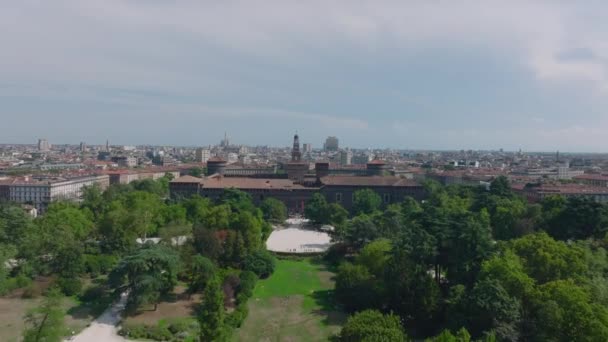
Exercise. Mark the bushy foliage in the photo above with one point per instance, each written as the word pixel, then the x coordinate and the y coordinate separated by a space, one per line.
pixel 372 325
pixel 274 210
pixel 45 322
pixel 260 262
pixel 70 286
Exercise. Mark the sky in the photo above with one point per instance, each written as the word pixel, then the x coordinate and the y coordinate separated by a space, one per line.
pixel 530 75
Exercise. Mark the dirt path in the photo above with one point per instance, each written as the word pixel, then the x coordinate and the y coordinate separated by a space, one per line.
pixel 104 329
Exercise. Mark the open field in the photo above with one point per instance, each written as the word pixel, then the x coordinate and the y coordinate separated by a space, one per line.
pixel 176 305
pixel 294 304
pixel 13 309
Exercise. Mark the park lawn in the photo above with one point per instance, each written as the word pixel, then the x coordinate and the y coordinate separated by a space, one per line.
pixel 176 305
pixel 294 304
pixel 13 309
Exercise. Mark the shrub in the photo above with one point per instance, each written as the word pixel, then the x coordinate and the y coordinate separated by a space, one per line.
pixel 372 325
pixel 261 263
pixel 99 264
pixel 22 281
pixel 134 331
pixel 159 332
pixel 70 286
pixel 248 280
pixel 237 317
pixel 179 329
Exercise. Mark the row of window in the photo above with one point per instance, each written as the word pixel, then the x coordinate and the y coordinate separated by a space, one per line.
pixel 385 197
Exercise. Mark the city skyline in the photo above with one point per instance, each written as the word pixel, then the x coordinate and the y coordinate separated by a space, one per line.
pixel 401 75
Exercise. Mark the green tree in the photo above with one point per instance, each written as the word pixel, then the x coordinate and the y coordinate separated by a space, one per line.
pixel 412 292
pixel 211 313
pixel 249 227
pixel 274 210
pixel 45 323
pixel 366 201
pixel 145 212
pixel 117 234
pixel 66 218
pixel 216 217
pixel 150 186
pixel 375 256
pixel 564 311
pixel 492 309
pixel 355 287
pixel 446 336
pixel 579 218
pixel 260 262
pixel 505 217
pixel 207 243
pixel 14 224
pixel 411 208
pixel 196 207
pixel 7 252
pixel 508 270
pixel 372 325
pixel 337 214
pixel 201 271
pixel 173 214
pixel 358 231
pixel 92 199
pixel 171 232
pixel 470 244
pixel 317 209
pixel 545 259
pixel 238 200
pixel 196 171
pixel 148 273
pixel 501 187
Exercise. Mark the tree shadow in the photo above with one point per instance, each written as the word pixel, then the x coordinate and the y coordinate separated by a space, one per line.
pixel 329 309
pixel 93 308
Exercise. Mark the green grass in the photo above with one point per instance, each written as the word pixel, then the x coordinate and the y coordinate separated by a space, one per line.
pixel 290 278
pixel 294 304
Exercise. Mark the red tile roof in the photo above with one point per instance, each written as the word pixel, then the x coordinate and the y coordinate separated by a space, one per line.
pixel 187 179
pixel 592 176
pixel 248 183
pixel 336 180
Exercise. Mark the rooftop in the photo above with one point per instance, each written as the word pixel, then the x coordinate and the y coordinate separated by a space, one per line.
pixel 335 180
pixel 592 176
pixel 249 183
pixel 219 182
pixel 187 179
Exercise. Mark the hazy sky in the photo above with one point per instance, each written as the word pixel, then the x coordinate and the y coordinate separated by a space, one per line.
pixel 406 74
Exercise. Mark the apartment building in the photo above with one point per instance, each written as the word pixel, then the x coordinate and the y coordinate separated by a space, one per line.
pixel 40 192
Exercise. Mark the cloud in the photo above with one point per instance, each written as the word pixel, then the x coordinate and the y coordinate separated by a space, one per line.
pixel 269 113
pixel 335 64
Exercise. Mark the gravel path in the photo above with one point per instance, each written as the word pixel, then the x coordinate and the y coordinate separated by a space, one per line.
pixel 104 329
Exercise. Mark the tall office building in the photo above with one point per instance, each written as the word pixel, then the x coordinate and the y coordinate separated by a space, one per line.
pixel 83 147
pixel 306 148
pixel 346 157
pixel 331 144
pixel 202 155
pixel 43 145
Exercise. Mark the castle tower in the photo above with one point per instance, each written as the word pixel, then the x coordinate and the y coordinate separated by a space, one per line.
pixel 296 168
pixel 296 155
